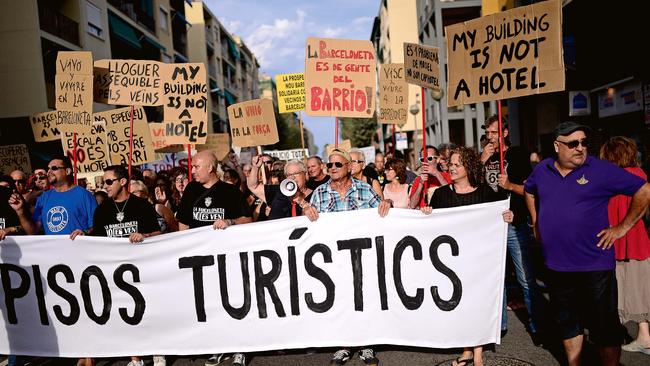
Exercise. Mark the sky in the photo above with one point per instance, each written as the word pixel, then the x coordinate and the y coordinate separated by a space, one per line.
pixel 276 31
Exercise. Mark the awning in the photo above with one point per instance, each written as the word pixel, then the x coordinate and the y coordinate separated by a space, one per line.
pixel 180 58
pixel 230 99
pixel 179 15
pixel 154 43
pixel 123 30
pixel 233 48
pixel 189 2
pixel 213 84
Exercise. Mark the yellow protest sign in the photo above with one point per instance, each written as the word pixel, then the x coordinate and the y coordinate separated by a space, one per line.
pixel 252 123
pixel 340 78
pixel 291 92
pixel 505 55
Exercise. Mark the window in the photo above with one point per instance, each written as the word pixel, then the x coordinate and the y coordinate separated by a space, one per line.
pixel 163 19
pixel 166 58
pixel 94 18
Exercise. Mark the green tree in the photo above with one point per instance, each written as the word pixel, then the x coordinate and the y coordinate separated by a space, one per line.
pixel 360 131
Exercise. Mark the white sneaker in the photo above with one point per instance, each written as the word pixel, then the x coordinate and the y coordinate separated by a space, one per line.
pixel 135 363
pixel 238 359
pixel 159 361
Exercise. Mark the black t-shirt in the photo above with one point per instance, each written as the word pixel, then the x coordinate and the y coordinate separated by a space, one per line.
pixel 202 206
pixel 445 197
pixel 517 164
pixel 270 192
pixel 8 217
pixel 313 184
pixel 281 207
pixel 139 217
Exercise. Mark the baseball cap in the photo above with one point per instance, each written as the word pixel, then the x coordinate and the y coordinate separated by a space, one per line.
pixel 569 127
pixel 344 154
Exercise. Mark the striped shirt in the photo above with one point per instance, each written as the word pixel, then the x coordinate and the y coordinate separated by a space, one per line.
pixel 359 196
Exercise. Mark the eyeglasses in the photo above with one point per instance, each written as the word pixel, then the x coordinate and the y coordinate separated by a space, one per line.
pixel 357 161
pixel 293 175
pixel 109 181
pixel 55 168
pixel 337 164
pixel 267 162
pixel 429 158
pixel 41 177
pixel 574 143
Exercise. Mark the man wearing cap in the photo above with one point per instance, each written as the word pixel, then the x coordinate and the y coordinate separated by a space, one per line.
pixel 343 193
pixel 516 168
pixel 571 194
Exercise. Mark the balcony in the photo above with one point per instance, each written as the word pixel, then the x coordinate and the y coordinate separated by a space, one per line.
pixel 58 25
pixel 134 9
pixel 209 36
pixel 212 70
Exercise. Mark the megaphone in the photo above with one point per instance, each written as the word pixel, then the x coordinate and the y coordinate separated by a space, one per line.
pixel 288 187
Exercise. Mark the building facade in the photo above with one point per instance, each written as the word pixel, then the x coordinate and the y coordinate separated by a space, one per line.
pixel 33 31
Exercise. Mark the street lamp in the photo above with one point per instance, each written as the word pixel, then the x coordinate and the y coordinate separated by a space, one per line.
pixel 414 109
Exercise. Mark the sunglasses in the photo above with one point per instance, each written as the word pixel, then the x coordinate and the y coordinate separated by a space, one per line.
pixel 336 164
pixel 55 168
pixel 109 181
pixel 429 159
pixel 574 143
pixel 41 177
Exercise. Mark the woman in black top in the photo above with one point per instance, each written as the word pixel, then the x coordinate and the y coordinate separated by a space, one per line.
pixel 466 189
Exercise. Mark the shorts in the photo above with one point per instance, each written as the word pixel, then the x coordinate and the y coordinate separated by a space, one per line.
pixel 586 300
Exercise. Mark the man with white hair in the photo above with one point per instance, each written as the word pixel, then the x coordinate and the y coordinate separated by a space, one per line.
pixel 284 206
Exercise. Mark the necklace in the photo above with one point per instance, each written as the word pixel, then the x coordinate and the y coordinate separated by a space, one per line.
pixel 120 213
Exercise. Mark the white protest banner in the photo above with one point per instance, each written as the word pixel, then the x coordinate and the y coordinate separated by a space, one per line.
pixel 406 279
pixel 91 147
pixel 393 95
pixel 14 157
pixel 185 97
pixel 504 55
pixel 252 123
pixel 73 85
pixel 422 66
pixel 340 78
pixel 291 92
pixel 47 126
pixel 168 161
pixel 118 135
pixel 288 154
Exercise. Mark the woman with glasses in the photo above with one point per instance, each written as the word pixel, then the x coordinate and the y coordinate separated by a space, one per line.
pixel 179 182
pixel 357 164
pixel 466 189
pixel 164 214
pixel 632 250
pixel 397 191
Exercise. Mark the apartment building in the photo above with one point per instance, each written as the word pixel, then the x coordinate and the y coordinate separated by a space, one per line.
pixel 33 31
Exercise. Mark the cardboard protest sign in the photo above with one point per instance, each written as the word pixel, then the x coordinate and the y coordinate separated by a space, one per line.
pixel 340 78
pixel 344 145
pixel 288 154
pixel 92 150
pixel 218 142
pixel 393 95
pixel 422 66
pixel 47 126
pixel 185 100
pixel 128 82
pixel 252 123
pixel 158 134
pixel 14 157
pixel 73 85
pixel 118 130
pixel 291 92
pixel 505 55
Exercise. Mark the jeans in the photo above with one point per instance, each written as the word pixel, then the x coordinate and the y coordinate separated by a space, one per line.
pixel 519 238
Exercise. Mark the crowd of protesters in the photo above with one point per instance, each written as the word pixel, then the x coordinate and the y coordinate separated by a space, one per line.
pixel 585 212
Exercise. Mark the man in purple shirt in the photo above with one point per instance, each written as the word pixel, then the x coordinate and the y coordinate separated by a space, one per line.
pixel 572 193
